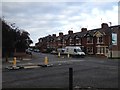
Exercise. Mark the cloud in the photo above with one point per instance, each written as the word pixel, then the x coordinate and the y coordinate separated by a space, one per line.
pixel 43 18
pixel 61 1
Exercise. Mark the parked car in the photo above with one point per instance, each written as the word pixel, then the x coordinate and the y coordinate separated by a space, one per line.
pixel 74 51
pixel 61 50
pixel 28 51
pixel 36 50
pixel 54 52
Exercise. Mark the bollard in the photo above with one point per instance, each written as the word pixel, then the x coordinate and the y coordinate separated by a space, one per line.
pixel 46 61
pixel 14 62
pixel 58 54
pixel 14 66
pixel 68 55
pixel 70 78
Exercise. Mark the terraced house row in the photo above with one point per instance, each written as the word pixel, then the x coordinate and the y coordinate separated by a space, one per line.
pixel 104 41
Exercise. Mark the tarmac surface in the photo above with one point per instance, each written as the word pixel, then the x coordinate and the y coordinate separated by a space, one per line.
pixel 87 72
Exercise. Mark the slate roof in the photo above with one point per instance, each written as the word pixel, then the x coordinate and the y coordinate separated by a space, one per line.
pixel 82 34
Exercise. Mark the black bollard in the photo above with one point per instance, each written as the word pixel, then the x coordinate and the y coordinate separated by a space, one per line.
pixel 70 78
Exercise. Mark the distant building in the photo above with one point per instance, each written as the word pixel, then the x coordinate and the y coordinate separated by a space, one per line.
pixel 104 41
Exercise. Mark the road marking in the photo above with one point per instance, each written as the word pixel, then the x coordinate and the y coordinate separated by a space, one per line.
pixel 29 63
pixel 76 60
pixel 26 67
pixel 27 59
pixel 12 61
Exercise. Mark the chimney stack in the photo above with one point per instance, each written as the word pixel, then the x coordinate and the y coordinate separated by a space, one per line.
pixel 70 32
pixel 84 30
pixel 60 34
pixel 54 35
pixel 104 25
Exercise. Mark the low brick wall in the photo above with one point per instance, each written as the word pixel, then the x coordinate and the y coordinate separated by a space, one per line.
pixel 115 54
pixel 22 55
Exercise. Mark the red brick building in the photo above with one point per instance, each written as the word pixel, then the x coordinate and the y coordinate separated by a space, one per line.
pixel 104 41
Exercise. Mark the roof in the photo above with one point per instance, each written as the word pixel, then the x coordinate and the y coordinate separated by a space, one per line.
pixel 103 31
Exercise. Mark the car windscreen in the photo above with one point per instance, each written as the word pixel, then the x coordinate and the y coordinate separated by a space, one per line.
pixel 77 50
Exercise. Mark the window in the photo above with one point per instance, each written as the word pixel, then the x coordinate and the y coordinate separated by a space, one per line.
pixel 90 50
pixel 75 50
pixel 106 49
pixel 58 38
pixel 100 40
pixel 53 40
pixel 65 41
pixel 70 40
pixel 77 38
pixel 78 42
pixel 89 40
pixel 62 42
pixel 67 50
pixel 40 40
pixel 63 51
pixel 48 45
pixel 100 50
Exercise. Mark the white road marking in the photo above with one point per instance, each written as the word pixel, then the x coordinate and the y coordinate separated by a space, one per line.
pixel 26 67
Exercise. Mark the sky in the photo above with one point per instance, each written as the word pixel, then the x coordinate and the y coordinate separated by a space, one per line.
pixel 51 17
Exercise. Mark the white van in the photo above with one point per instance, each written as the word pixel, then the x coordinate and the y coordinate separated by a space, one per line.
pixel 74 50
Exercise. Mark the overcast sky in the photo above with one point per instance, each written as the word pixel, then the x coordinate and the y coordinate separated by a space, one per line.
pixel 43 18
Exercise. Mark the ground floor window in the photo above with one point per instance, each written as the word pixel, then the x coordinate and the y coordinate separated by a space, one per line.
pixel 98 50
pixel 102 50
pixel 90 50
pixel 106 49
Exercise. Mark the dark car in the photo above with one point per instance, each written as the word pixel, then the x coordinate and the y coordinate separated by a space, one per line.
pixel 36 50
pixel 28 52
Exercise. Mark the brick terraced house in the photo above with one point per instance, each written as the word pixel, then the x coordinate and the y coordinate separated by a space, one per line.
pixel 104 41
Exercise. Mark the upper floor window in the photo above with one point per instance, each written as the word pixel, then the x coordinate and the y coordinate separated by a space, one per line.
pixel 77 38
pixel 78 42
pixel 70 40
pixel 51 40
pixel 40 40
pixel 63 41
pixel 58 38
pixel 100 40
pixel 54 40
pixel 89 40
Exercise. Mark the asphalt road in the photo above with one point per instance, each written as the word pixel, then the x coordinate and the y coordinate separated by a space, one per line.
pixel 87 72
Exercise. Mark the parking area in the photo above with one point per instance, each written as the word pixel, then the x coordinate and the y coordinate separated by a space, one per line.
pixel 87 72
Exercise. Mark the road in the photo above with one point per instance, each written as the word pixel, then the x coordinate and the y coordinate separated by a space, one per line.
pixel 87 72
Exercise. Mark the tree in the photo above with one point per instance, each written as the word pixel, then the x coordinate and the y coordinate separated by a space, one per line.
pixel 23 42
pixel 8 35
pixel 13 38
